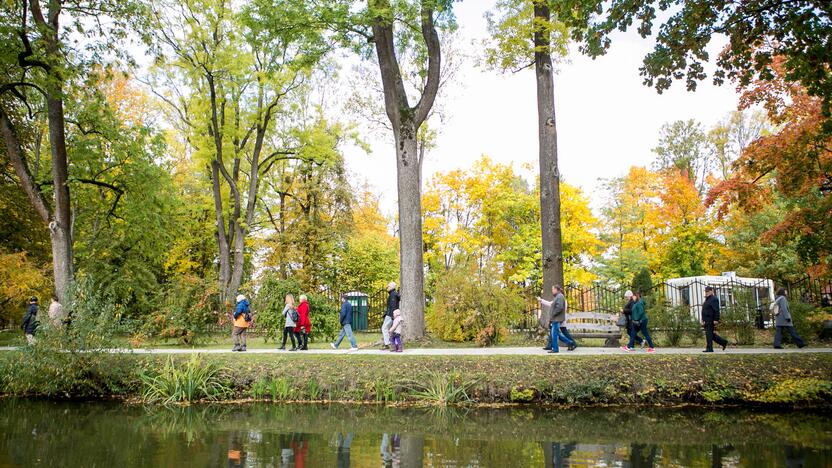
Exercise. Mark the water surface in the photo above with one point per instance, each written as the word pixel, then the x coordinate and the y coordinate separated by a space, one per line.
pixel 40 433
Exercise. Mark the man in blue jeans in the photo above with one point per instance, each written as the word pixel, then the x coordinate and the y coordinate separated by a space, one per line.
pixel 346 328
pixel 558 315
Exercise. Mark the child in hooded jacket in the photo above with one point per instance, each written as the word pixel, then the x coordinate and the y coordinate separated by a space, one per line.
pixel 396 332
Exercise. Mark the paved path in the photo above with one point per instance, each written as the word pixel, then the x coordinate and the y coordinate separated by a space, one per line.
pixel 581 351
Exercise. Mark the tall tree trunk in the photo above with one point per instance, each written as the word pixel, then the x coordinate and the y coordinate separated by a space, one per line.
pixel 60 227
pixel 406 121
pixel 411 270
pixel 222 238
pixel 552 245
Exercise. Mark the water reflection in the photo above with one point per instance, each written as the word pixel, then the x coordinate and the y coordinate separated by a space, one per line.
pixel 110 434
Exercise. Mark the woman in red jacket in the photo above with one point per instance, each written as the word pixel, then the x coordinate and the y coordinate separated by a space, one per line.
pixel 304 326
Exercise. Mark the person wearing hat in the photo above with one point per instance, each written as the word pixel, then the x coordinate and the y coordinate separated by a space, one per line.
pixel 30 321
pixel 710 317
pixel 242 320
pixel 393 301
pixel 628 314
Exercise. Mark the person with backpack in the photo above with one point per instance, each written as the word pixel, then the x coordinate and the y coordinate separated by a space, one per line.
pixel 290 314
pixel 710 318
pixel 303 326
pixel 396 330
pixel 783 321
pixel 30 321
pixel 242 320
pixel 346 327
pixel 393 302
pixel 639 325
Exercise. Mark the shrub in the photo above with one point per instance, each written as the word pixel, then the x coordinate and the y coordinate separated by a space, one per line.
pixel 193 381
pixel 738 318
pixel 72 360
pixel 269 302
pixel 676 322
pixel 472 305
pixel 190 308
pixel 807 319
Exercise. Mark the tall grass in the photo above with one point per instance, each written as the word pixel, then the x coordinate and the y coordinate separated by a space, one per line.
pixel 443 389
pixel 192 381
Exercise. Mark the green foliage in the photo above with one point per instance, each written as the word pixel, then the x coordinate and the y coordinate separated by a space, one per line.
pixel 189 308
pixel 278 389
pixel 186 382
pixel 582 392
pixel 471 304
pixel 676 323
pixel 738 318
pixel 643 281
pixel 269 302
pixel 72 361
pixel 790 30
pixel 512 28
pixel 442 389
pixel 802 390
pixel 522 395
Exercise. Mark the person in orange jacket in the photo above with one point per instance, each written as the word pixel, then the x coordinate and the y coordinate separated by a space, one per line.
pixel 242 320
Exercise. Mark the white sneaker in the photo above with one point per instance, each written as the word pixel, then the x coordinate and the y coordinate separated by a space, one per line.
pixel 353 349
pixel 333 345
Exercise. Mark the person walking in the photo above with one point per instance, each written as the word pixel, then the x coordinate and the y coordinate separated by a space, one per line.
pixel 346 327
pixel 558 314
pixel 393 301
pixel 303 327
pixel 242 320
pixel 639 325
pixel 290 315
pixel 396 332
pixel 628 314
pixel 710 318
pixel 783 321
pixel 30 321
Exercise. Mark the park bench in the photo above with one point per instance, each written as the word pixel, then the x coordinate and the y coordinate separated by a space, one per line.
pixel 594 325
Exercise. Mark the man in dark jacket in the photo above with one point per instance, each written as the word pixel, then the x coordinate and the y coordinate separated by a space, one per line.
pixel 710 317
pixel 346 327
pixel 393 300
pixel 30 321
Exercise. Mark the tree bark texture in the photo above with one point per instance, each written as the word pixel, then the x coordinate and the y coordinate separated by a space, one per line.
pixel 406 120
pixel 551 242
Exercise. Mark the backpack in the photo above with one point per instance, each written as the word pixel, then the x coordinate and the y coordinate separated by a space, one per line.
pixel 293 313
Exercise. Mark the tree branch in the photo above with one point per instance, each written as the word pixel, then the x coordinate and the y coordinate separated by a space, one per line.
pixel 425 103
pixel 18 159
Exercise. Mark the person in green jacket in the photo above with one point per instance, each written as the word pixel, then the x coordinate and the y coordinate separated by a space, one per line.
pixel 639 324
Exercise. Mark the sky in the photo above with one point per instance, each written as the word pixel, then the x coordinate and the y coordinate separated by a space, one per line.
pixel 607 120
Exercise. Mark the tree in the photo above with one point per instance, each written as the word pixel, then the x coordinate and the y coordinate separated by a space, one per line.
pixel 757 30
pixel 228 71
pixel 40 68
pixel 793 163
pixel 488 217
pixel 406 120
pixel 683 146
pixel 527 34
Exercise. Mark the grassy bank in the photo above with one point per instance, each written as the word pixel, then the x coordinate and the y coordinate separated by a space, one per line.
pixel 767 380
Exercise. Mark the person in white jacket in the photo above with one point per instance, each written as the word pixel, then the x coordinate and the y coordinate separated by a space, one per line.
pixel 396 332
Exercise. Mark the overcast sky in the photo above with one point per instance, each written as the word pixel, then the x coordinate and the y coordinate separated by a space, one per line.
pixel 607 120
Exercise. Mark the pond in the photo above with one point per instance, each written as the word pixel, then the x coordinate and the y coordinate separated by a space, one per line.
pixel 42 433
